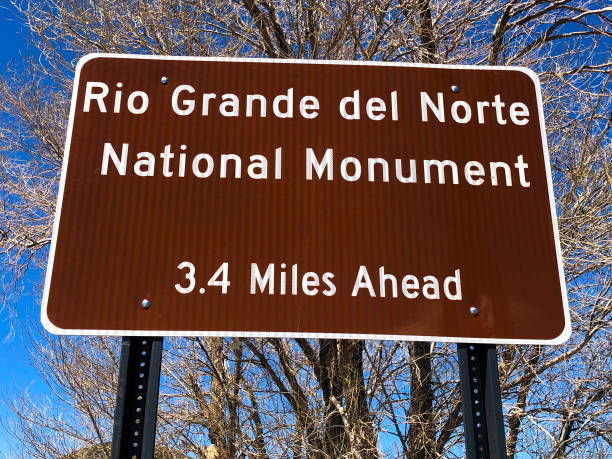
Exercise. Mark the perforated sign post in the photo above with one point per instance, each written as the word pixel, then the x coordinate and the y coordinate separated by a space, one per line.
pixel 228 197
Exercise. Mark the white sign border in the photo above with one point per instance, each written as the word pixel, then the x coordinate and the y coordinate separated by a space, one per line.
pixel 564 336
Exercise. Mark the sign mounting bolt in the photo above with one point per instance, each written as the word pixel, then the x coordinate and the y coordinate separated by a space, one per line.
pixel 455 88
pixel 474 311
pixel 164 80
pixel 146 304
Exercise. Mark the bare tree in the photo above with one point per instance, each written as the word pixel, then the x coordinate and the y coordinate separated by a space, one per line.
pixel 300 398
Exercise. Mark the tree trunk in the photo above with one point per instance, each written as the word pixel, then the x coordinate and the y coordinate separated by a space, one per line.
pixel 356 399
pixel 421 433
pixel 331 385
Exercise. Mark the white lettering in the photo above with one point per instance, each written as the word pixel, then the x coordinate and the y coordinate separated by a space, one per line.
pixel 258 280
pixel 363 281
pixel 109 152
pixel 440 165
pixel 131 102
pixel 89 95
pixel 230 105
pixel 519 113
pixel 262 105
pixel 166 156
pixel 326 162
pixel 145 159
pixel 382 278
pixel 344 172
pixel 466 109
pixel 195 166
pixel 237 165
pixel 456 281
pixel 470 172
pixel 384 165
pixel 431 288
pixel 438 110
pixel 496 165
pixel 498 104
pixel 188 105
pixel 521 166
pixel 287 100
pixel 258 162
pixel 375 108
pixel 354 101
pixel 309 106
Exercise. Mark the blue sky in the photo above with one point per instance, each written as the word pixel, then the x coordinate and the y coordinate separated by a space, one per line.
pixel 15 374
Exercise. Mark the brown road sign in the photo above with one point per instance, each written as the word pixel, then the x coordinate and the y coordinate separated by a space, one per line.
pixel 305 198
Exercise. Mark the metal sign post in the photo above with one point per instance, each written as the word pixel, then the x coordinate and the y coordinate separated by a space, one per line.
pixel 137 396
pixel 480 393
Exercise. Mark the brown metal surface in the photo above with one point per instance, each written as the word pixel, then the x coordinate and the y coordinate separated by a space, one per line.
pixel 120 238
